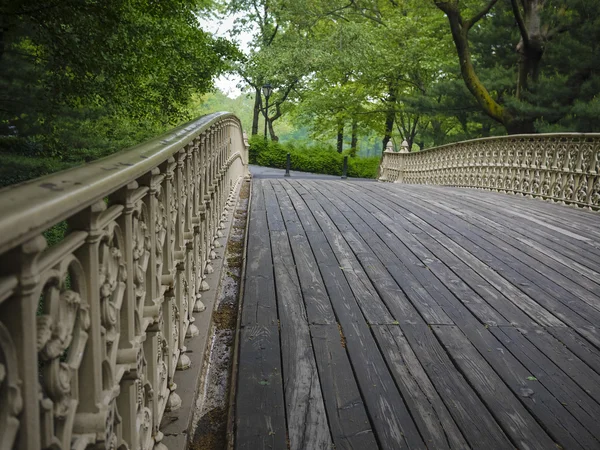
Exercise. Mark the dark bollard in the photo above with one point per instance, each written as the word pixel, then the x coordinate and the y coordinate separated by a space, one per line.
pixel 287 165
pixel 345 168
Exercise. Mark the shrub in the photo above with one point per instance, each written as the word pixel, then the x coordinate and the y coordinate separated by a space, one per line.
pixel 315 159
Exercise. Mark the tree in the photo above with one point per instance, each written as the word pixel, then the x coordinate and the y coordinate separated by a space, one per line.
pixel 537 24
pixel 135 58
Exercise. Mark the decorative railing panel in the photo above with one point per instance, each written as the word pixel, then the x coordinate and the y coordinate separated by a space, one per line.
pixel 563 168
pixel 93 327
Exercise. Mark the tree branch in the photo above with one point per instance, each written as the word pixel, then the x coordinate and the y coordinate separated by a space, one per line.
pixel 270 40
pixel 477 17
pixel 520 22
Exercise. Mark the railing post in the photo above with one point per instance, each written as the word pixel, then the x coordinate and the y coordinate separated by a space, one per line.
pixel 287 165
pixel 386 162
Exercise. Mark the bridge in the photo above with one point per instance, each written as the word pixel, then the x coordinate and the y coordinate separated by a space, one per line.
pixel 416 313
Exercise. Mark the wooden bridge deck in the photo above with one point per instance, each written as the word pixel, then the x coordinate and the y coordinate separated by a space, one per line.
pixel 396 316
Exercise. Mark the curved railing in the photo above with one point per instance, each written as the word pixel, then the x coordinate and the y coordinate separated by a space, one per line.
pixel 561 167
pixel 93 326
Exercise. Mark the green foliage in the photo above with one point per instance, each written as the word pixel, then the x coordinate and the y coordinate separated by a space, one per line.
pixel 314 159
pixel 18 168
pixel 81 79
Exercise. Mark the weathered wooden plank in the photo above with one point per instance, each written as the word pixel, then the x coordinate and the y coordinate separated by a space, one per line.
pixel 478 426
pixel 259 261
pixel 559 273
pixel 307 422
pixel 512 267
pixel 548 374
pixel 524 431
pixel 260 410
pixel 365 244
pixel 559 248
pixel 385 285
pixel 552 216
pixel 461 290
pixel 316 301
pixel 501 367
pixel 429 411
pixel 391 420
pixel 348 420
pixel 578 345
pixel 554 304
pixel 558 353
pixel 510 293
pixel 258 198
pixel 371 305
pixel 274 217
pixel 259 301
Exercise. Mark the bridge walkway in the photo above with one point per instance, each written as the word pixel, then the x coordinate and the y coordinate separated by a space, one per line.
pixel 400 316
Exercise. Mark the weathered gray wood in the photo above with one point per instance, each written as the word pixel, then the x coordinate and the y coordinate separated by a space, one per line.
pixel 548 374
pixel 258 253
pixel 516 421
pixel 579 319
pixel 363 290
pixel 348 420
pixel 560 354
pixel 556 247
pixel 452 282
pixel 387 288
pixel 391 420
pixel 578 345
pixel 307 422
pixel 260 303
pixel 260 411
pixel 548 215
pixel 430 413
pixel 316 301
pixel 413 276
pixel 479 427
pixel 466 323
pixel 559 273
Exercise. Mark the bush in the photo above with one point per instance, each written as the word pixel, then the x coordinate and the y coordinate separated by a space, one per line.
pixel 314 159
pixel 17 168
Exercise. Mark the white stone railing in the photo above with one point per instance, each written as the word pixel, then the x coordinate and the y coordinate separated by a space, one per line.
pixel 563 167
pixel 93 327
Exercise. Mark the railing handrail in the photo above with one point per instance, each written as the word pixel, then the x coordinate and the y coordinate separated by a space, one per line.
pixel 506 137
pixel 33 206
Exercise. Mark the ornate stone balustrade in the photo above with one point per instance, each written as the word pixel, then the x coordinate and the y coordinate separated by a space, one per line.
pixel 562 167
pixel 93 327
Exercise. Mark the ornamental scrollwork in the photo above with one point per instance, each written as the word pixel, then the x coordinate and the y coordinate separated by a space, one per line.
pixel 558 167
pixel 61 338
pixel 11 400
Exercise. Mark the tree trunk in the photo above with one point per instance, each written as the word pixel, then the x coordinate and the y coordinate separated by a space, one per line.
pixel 256 111
pixel 459 29
pixel 354 141
pixel 274 137
pixel 439 135
pixel 340 137
pixel 531 46
pixel 390 115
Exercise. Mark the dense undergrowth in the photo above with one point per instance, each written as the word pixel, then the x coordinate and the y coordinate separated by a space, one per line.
pixel 314 159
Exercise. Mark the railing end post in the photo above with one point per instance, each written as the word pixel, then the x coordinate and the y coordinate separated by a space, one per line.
pixel 287 165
